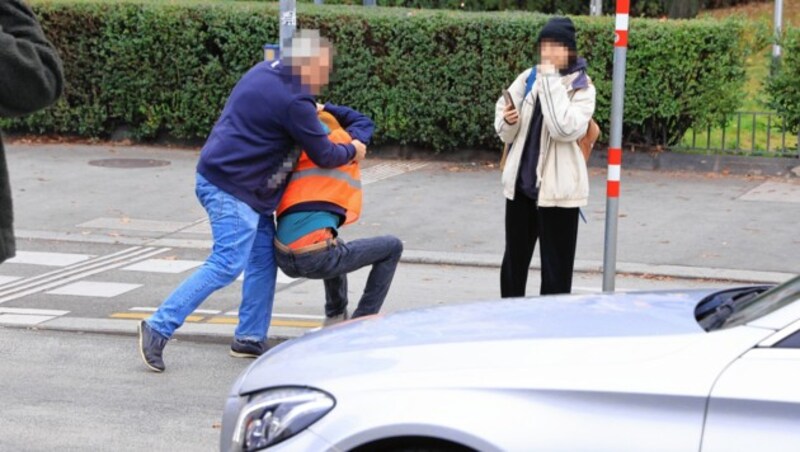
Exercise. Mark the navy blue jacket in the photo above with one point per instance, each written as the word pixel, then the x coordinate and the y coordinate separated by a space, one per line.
pixel 268 118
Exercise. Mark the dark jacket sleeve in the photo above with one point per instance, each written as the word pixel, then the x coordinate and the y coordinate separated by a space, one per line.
pixel 307 132
pixel 30 70
pixel 357 124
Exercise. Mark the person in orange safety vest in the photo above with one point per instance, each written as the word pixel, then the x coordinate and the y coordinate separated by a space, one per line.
pixel 316 203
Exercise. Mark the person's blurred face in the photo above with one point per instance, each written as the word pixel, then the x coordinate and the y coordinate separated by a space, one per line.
pixel 315 72
pixel 554 53
pixel 311 59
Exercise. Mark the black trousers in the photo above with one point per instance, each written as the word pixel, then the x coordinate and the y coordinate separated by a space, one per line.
pixel 556 229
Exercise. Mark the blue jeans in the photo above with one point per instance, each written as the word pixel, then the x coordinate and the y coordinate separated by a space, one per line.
pixel 243 241
pixel 334 262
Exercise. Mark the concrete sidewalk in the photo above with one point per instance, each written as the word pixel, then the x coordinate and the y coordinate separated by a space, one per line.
pixel 676 229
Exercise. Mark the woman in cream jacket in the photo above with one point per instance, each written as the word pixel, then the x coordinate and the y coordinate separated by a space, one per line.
pixel 545 180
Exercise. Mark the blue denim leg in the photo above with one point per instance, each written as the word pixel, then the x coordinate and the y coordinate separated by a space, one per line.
pixel 383 253
pixel 233 225
pixel 335 295
pixel 258 291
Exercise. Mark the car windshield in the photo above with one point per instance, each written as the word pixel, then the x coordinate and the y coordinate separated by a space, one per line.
pixel 770 301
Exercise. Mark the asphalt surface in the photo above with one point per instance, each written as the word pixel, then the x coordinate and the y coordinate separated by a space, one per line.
pixel 84 392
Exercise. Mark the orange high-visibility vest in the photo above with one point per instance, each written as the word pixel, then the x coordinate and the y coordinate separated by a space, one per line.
pixel 340 186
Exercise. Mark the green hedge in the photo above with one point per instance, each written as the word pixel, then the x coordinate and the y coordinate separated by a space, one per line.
pixel 638 8
pixel 428 78
pixel 784 87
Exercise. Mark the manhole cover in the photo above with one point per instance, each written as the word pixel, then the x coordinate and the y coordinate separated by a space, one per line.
pixel 129 163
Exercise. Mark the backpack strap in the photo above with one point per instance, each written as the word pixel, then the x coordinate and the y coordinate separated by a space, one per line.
pixel 530 81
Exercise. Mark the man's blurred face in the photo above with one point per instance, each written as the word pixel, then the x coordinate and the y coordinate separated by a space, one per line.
pixel 311 59
pixel 315 73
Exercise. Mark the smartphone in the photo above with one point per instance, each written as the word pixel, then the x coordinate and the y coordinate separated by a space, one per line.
pixel 509 100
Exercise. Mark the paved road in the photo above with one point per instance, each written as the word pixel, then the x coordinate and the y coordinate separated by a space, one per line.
pixel 88 392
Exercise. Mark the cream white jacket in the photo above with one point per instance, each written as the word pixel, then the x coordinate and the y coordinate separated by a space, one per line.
pixel 562 178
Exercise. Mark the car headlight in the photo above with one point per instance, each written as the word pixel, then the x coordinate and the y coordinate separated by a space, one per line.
pixel 277 414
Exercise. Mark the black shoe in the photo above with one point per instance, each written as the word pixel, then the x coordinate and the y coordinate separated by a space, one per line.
pixel 248 349
pixel 151 346
pixel 336 319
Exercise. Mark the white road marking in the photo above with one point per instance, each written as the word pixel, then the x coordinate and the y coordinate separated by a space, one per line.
pixel 94 289
pixel 163 266
pixel 18 319
pixel 66 271
pixel 26 311
pixel 48 259
pixel 60 278
pixel 7 279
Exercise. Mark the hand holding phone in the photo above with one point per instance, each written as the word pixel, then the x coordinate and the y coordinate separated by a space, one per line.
pixel 509 99
pixel 510 115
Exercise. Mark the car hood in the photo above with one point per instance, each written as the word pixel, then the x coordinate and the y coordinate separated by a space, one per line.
pixel 422 334
pixel 594 315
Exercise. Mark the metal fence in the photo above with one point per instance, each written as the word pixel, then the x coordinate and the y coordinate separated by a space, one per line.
pixel 744 133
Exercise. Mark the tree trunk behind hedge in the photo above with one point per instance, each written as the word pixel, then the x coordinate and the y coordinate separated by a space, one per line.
pixel 683 9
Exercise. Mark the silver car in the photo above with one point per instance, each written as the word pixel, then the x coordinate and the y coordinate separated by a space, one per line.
pixel 674 371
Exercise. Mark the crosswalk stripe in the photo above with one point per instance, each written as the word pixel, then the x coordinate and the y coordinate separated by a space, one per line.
pixel 50 259
pixel 26 311
pixel 5 289
pixel 62 278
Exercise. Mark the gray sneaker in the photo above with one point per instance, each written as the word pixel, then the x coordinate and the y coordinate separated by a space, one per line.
pixel 151 347
pixel 336 319
pixel 248 349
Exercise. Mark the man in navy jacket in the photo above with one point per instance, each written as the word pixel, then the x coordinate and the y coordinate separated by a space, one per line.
pixel 243 169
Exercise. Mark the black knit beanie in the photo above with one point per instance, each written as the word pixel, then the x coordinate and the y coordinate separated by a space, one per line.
pixel 560 30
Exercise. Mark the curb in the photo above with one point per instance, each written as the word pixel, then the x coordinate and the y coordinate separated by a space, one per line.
pixel 466 259
pixel 216 334
pixel 788 167
pixel 623 268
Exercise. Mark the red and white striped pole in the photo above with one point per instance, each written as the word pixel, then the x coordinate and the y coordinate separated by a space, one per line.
pixel 615 145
